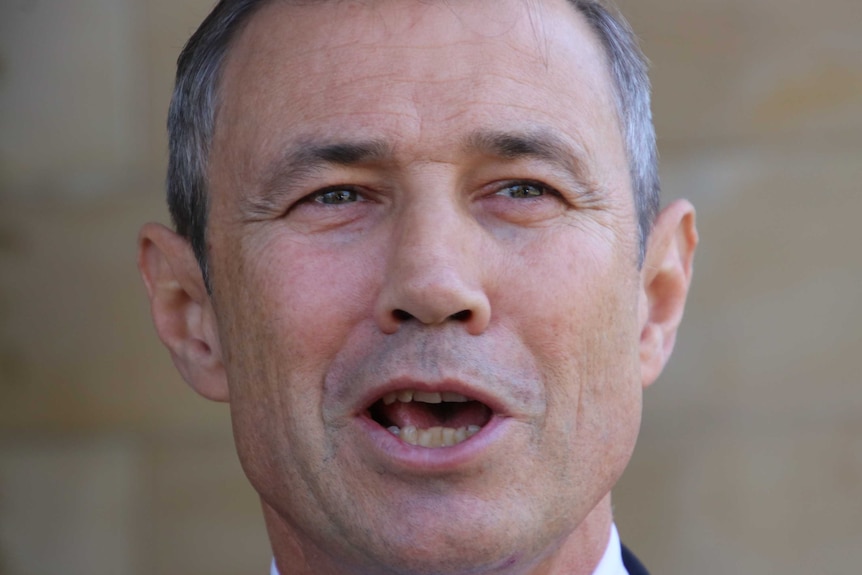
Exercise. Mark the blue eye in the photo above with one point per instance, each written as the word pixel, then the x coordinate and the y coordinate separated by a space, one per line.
pixel 336 197
pixel 524 190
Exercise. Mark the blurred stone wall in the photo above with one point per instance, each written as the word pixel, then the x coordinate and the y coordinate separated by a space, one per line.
pixel 750 459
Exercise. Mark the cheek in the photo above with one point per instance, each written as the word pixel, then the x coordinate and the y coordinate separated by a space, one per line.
pixel 285 310
pixel 304 297
pixel 576 310
pixel 573 300
pixel 284 313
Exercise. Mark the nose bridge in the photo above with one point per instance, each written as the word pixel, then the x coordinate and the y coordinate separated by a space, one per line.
pixel 434 273
pixel 432 242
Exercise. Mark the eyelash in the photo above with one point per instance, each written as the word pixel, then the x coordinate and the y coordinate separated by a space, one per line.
pixel 543 188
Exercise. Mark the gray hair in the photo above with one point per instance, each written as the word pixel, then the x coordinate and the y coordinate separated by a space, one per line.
pixel 629 69
pixel 193 109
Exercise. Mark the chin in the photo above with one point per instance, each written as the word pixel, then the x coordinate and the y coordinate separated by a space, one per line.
pixel 446 541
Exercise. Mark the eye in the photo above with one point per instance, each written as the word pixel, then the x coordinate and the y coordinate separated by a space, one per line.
pixel 525 190
pixel 336 196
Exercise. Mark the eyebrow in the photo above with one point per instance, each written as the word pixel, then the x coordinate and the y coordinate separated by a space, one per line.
pixel 540 144
pixel 341 153
pixel 307 158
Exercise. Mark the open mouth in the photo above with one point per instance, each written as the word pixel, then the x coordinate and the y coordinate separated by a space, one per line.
pixel 430 419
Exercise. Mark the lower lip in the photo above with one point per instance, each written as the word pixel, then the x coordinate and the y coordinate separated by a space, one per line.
pixel 432 459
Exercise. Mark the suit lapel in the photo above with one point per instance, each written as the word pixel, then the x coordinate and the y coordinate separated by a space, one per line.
pixel 631 563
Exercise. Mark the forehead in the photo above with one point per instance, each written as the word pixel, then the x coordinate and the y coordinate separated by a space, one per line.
pixel 413 71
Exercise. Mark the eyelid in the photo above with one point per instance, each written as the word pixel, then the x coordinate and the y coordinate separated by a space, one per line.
pixel 336 188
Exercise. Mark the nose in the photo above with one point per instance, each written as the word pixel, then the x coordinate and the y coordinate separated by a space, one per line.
pixel 434 272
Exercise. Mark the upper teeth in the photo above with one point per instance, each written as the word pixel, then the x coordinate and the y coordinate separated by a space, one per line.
pixel 408 395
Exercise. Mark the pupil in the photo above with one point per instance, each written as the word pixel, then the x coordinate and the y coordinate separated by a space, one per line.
pixel 526 191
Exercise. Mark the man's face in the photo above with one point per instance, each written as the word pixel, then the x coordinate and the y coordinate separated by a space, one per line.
pixel 426 200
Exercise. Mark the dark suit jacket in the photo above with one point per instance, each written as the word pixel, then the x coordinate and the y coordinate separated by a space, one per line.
pixel 631 563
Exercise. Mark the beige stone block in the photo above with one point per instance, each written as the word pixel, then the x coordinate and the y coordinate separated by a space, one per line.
pixel 69 505
pixel 749 497
pixel 752 69
pixel 72 112
pixel 77 347
pixel 205 517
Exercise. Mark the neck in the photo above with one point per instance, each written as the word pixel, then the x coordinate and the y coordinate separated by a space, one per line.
pixel 578 553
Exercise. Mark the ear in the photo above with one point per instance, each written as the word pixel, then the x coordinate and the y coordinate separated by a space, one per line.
pixel 666 276
pixel 182 309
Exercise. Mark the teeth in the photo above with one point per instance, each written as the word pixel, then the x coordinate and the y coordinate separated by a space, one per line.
pixel 410 435
pixel 407 395
pixel 428 437
pixel 460 435
pixel 435 436
pixel 447 435
pixel 427 397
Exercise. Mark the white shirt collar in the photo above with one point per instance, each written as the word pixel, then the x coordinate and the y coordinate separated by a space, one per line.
pixel 612 560
pixel 611 563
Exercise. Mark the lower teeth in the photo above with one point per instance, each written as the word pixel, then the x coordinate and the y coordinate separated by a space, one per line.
pixel 435 436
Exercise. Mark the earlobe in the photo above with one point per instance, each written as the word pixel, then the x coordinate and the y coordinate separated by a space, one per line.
pixel 666 277
pixel 181 309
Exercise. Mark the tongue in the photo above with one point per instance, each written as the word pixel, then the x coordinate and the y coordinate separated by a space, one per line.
pixel 428 415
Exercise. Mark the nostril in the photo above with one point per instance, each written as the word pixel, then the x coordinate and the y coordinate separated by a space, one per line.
pixel 463 315
pixel 401 315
